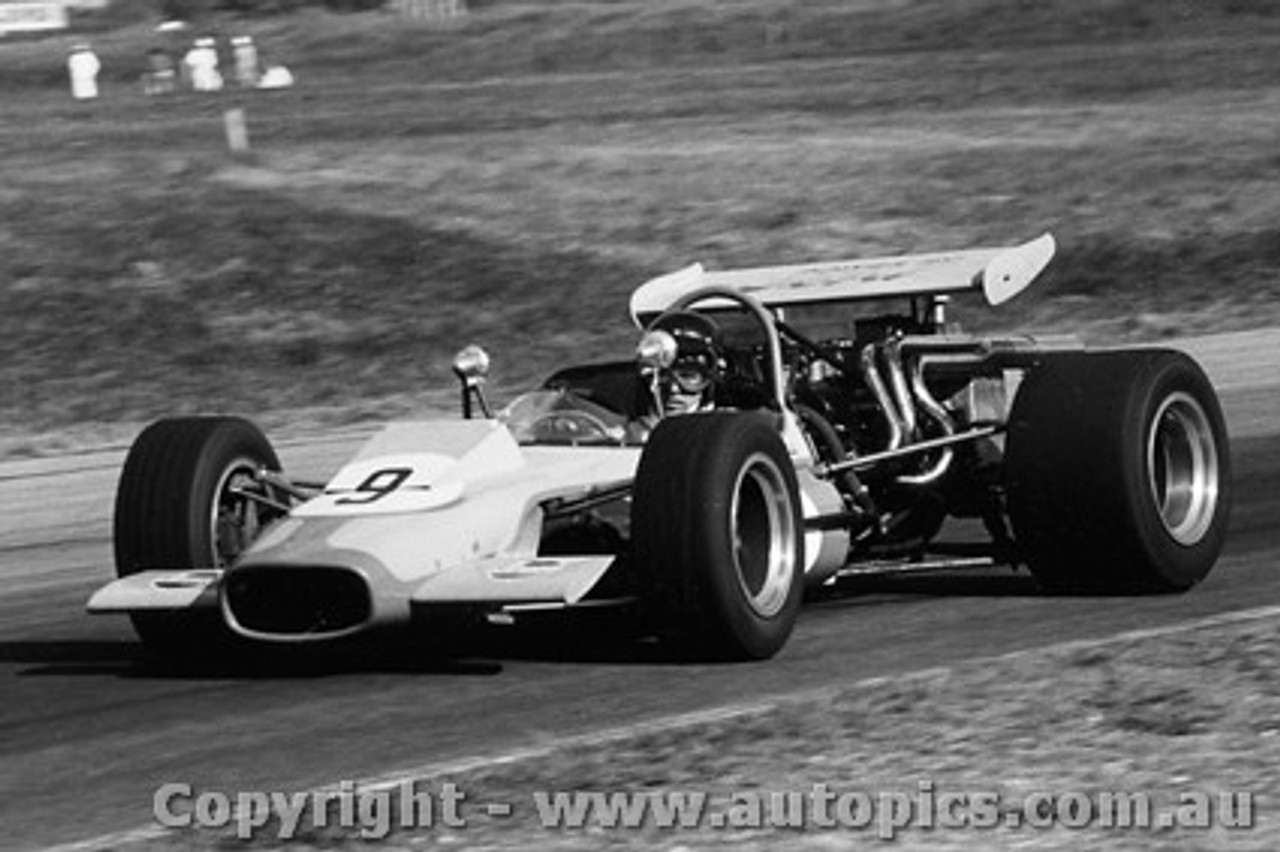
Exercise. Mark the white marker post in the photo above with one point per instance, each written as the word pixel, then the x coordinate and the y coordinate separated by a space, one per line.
pixel 237 131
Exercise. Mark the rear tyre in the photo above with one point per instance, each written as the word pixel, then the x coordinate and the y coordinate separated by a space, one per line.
pixel 177 507
pixel 1118 472
pixel 717 535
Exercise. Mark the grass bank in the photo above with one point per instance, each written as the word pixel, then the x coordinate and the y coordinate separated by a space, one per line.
pixel 510 179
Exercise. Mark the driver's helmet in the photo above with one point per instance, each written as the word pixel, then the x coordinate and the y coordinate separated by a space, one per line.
pixel 697 363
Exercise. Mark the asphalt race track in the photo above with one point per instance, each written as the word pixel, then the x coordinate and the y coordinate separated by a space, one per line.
pixel 89 728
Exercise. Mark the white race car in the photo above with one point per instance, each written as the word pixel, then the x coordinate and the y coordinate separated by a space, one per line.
pixel 825 456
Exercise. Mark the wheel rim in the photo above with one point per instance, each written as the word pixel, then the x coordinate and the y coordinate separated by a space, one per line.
pixel 1182 468
pixel 235 519
pixel 764 535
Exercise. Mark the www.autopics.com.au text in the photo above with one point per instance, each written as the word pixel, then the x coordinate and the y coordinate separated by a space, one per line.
pixel 374 811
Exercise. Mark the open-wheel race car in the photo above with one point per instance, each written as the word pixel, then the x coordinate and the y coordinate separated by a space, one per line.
pixel 814 457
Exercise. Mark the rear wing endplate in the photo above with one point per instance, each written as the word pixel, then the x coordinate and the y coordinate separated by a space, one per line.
pixel 1000 273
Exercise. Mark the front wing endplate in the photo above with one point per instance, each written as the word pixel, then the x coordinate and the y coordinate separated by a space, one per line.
pixel 505 579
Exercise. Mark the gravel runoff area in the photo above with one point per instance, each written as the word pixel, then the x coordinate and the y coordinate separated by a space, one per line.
pixel 1165 739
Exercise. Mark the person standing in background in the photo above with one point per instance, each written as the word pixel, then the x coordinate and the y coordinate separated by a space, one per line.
pixel 160 77
pixel 246 58
pixel 83 65
pixel 202 66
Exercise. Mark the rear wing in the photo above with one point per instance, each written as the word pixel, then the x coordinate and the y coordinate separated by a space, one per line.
pixel 1000 273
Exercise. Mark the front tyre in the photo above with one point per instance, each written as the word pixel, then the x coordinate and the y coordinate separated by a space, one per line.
pixel 717 534
pixel 1118 472
pixel 180 505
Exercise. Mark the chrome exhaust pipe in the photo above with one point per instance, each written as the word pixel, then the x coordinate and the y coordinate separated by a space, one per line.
pixel 871 375
pixel 934 409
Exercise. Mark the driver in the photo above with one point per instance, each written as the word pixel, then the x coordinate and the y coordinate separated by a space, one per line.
pixel 680 357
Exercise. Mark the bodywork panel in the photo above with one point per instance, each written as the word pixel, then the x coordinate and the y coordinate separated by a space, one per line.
pixel 425 512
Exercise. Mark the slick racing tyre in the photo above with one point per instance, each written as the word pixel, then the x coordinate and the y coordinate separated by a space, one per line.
pixel 717 534
pixel 177 508
pixel 1118 472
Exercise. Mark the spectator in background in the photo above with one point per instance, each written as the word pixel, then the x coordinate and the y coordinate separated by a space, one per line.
pixel 276 77
pixel 83 65
pixel 201 64
pixel 160 77
pixel 246 58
